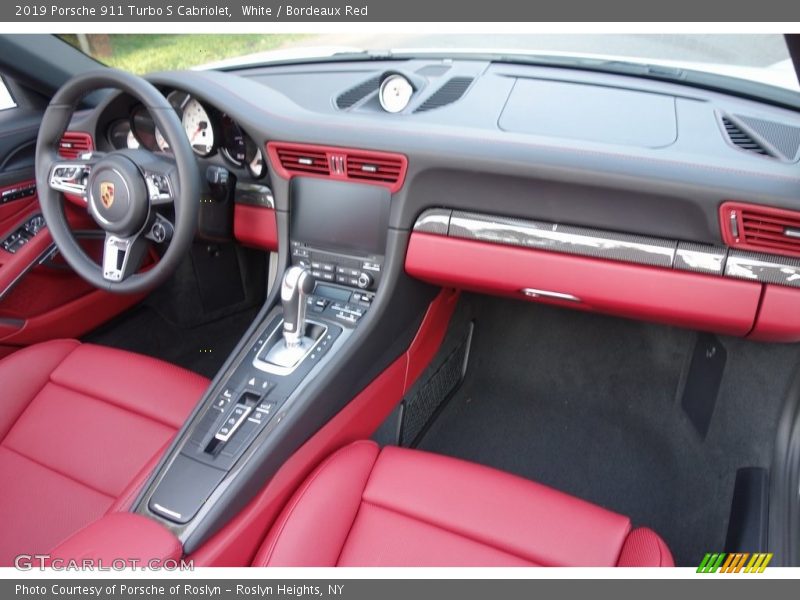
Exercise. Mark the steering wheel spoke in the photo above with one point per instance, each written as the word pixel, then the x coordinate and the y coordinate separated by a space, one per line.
pixel 71 177
pixel 122 256
pixel 160 176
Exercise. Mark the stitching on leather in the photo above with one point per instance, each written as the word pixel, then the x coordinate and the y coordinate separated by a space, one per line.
pixel 543 563
pixel 57 472
pixel 111 402
pixel 39 391
pixel 300 494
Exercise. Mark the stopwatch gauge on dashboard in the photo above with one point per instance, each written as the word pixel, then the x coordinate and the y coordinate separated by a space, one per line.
pixel 209 131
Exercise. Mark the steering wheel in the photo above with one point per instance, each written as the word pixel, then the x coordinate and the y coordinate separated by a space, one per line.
pixel 120 189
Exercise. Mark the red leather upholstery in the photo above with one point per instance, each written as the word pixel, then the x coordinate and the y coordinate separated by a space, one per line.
pixel 80 427
pixel 399 507
pixel 128 537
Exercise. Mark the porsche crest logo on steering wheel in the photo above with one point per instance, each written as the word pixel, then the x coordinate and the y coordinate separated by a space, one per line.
pixel 107 193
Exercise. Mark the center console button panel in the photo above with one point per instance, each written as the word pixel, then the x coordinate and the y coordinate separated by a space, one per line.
pixel 352 270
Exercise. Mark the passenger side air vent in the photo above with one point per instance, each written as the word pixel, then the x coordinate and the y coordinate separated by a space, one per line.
pixel 742 139
pixel 452 90
pixel 303 160
pixel 761 228
pixel 74 143
pixel 354 94
pixel 343 164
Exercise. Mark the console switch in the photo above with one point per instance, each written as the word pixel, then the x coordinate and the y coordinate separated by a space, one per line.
pixel 233 422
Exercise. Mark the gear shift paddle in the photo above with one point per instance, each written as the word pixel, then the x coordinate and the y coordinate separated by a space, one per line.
pixel 297 284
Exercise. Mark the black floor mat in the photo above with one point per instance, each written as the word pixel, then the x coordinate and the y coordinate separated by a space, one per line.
pixel 588 404
pixel 202 348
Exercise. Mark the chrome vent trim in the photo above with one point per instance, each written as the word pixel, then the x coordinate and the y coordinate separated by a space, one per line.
pixel 707 259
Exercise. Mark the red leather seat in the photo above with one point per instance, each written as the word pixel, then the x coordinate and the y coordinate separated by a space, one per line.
pixel 81 427
pixel 397 507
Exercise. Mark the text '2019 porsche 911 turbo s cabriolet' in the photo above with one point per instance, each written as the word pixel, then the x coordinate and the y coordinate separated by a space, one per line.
pixel 410 308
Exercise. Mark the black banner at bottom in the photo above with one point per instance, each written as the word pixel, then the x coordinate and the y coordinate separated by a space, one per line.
pixel 390 589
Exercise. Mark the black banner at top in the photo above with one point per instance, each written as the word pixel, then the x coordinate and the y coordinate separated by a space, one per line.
pixel 355 11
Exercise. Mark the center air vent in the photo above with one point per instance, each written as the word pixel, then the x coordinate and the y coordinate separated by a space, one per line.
pixel 74 143
pixel 352 96
pixel 452 90
pixel 761 228
pixel 740 138
pixel 343 164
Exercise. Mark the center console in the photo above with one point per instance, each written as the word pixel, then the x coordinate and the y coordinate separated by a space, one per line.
pixel 334 270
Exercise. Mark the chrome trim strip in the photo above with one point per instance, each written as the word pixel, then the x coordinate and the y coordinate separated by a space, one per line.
pixel 434 220
pixel 166 511
pixel 534 293
pixel 700 258
pixel 563 238
pixel 595 243
pixel 763 268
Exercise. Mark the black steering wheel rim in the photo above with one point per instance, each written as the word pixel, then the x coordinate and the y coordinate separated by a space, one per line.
pixel 186 184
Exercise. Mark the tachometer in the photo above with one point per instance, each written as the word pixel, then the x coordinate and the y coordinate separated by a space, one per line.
pixel 255 159
pixel 233 146
pixel 197 125
pixel 161 141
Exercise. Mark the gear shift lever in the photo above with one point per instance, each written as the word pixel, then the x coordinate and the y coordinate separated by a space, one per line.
pixel 297 284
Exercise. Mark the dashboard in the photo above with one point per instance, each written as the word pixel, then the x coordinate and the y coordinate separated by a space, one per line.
pixel 650 174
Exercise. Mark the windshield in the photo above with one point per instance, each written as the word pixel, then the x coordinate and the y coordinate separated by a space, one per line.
pixel 758 58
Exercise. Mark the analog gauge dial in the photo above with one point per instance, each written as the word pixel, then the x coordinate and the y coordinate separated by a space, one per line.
pixel 254 159
pixel 121 135
pixel 161 141
pixel 234 147
pixel 197 125
pixel 143 128
pixel 131 141
pixel 395 93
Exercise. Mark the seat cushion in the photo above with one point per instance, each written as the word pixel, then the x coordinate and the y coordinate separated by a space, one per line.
pixel 398 507
pixel 81 426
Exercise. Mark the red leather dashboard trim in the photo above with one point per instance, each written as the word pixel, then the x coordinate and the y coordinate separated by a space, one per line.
pixel 666 296
pixel 236 544
pixel 255 226
pixel 778 317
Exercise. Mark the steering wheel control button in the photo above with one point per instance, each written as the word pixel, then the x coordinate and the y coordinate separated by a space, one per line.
pixel 158 187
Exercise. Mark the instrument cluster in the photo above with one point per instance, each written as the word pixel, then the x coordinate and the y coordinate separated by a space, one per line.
pixel 208 130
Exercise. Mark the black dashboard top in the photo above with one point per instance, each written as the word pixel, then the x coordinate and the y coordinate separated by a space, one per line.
pixel 588 148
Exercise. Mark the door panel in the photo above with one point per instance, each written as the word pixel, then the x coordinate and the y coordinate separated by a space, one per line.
pixel 41 298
